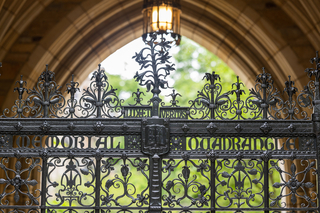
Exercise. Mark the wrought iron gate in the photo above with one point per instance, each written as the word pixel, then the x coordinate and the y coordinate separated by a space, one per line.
pixel 222 153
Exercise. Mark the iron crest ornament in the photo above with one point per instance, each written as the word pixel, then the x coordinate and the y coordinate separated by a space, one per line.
pixel 155 136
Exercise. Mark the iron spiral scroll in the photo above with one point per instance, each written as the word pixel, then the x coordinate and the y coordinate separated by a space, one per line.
pixel 227 151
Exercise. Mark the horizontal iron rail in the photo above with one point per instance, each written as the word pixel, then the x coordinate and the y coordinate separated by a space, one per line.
pixel 131 126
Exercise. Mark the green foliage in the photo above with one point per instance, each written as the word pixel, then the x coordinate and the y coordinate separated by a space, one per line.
pixel 192 62
pixel 126 87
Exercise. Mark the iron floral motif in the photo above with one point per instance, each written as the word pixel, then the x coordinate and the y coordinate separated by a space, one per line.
pixel 18 108
pixel 311 90
pixel 72 88
pixel 176 143
pixel 154 59
pixel 138 98
pixel 314 71
pixel 264 96
pixel 307 144
pixel 210 103
pixel 295 182
pixel 173 100
pixel 239 108
pixel 177 189
pixel 17 181
pixel 290 107
pixel 100 99
pixel 111 183
pixel 242 185
pixel 45 100
pixel 133 141
pixel 71 187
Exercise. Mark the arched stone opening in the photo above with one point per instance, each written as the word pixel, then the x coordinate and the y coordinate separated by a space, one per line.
pixel 91 30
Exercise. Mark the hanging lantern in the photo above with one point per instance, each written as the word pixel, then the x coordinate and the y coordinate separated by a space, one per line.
pixel 162 17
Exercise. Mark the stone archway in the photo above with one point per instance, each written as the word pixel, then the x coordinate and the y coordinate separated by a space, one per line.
pixel 74 36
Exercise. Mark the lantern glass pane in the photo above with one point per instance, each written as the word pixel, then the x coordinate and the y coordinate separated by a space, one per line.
pixel 162 18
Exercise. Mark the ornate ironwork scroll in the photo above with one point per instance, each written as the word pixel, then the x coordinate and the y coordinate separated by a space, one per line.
pixel 240 183
pixel 100 99
pixel 186 182
pixel 293 184
pixel 18 181
pixel 122 189
pixel 74 186
pixel 155 60
pixel 210 103
pixel 226 152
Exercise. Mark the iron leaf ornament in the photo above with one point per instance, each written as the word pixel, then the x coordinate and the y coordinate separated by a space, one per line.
pixel 265 97
pixel 311 92
pixel 45 100
pixel 211 102
pixel 72 88
pixel 290 110
pixel 138 98
pixel 154 61
pixel 173 100
pixel 100 99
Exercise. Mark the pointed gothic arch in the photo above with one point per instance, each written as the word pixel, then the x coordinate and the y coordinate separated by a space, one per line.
pixel 74 36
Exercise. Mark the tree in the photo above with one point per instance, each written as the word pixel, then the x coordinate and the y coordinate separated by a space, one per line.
pixel 192 62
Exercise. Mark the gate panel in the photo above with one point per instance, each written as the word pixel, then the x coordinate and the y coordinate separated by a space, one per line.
pixel 186 182
pixel 223 153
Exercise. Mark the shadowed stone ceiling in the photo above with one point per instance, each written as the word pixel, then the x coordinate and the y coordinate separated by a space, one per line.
pixel 73 36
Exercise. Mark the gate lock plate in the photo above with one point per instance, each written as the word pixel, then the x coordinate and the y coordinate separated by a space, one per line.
pixel 155 136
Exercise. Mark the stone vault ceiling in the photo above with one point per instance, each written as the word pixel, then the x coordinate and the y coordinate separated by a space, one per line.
pixel 73 36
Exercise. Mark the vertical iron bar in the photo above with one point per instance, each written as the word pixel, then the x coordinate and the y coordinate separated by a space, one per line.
pixel 316 126
pixel 155 91
pixel 213 186
pixel 72 99
pixel 44 183
pixel 266 185
pixel 264 89
pixel 155 184
pixel 46 98
pixel 99 85
pixel 316 118
pixel 98 183
pixel 212 116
